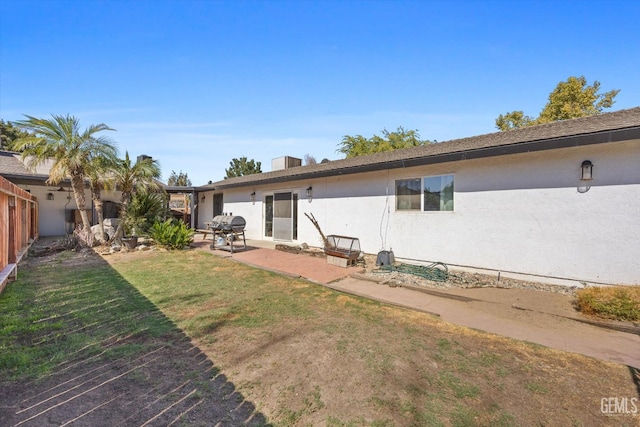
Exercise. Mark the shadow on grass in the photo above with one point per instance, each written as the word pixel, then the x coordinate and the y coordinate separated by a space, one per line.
pixel 81 345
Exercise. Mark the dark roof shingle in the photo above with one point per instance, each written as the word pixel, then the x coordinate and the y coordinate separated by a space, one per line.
pixel 10 164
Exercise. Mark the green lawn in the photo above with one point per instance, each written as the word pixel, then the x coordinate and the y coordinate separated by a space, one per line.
pixel 302 353
pixel 60 308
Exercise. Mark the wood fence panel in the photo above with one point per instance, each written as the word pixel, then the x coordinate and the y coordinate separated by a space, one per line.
pixel 4 230
pixel 18 227
pixel 13 243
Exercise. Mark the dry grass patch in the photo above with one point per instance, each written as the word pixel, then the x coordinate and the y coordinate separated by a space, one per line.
pixel 618 302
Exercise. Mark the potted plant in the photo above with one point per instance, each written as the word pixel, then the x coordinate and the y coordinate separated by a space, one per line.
pixel 130 242
pixel 131 223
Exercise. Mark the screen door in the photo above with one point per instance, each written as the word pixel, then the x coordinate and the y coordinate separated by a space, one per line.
pixel 283 216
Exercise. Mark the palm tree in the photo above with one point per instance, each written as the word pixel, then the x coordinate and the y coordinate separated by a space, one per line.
pixel 130 178
pixel 99 175
pixel 72 151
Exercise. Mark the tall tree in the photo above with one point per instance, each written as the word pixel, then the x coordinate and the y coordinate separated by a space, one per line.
pixel 179 179
pixel 130 178
pixel 570 99
pixel 242 166
pixel 352 146
pixel 514 120
pixel 9 134
pixel 71 149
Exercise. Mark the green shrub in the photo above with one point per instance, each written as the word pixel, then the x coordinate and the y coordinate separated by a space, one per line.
pixel 171 234
pixel 145 209
pixel 618 302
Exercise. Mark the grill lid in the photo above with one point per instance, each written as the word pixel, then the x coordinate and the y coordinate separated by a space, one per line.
pixel 228 222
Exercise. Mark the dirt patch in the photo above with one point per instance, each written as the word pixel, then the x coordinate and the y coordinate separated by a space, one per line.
pixel 355 372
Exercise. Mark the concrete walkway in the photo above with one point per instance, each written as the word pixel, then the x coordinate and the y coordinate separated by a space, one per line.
pixel 540 317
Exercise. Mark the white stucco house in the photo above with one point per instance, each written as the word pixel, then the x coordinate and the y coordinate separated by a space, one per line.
pixel 558 202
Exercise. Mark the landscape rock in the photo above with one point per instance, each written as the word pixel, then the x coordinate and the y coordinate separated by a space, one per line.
pixel 458 279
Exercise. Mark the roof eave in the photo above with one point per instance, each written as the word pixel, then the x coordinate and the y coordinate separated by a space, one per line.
pixel 178 188
pixel 26 179
pixel 476 153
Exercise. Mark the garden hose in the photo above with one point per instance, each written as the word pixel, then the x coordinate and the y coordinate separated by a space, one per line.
pixel 437 272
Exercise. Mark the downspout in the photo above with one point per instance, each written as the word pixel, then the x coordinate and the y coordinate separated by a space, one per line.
pixel 66 229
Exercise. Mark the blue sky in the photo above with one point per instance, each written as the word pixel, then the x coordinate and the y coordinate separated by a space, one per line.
pixel 197 83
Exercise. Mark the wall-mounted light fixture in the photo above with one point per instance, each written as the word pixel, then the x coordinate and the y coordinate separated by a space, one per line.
pixel 586 171
pixel 309 192
pixel 586 175
pixel 252 197
pixel 49 196
pixel 202 198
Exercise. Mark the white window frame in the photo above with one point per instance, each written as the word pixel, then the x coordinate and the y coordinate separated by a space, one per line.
pixel 411 199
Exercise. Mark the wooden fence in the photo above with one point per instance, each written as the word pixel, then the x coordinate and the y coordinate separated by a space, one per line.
pixel 18 228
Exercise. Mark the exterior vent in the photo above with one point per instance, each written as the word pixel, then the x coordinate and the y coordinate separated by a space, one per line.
pixel 285 162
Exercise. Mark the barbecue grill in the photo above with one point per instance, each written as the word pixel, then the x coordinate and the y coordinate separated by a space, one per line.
pixel 226 229
pixel 228 223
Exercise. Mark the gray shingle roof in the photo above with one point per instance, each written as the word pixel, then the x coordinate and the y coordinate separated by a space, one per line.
pixel 10 164
pixel 619 125
pixel 15 169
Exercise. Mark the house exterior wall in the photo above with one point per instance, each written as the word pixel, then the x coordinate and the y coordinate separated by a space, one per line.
pixel 52 212
pixel 520 214
pixel 52 215
pixel 205 208
pixel 524 214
